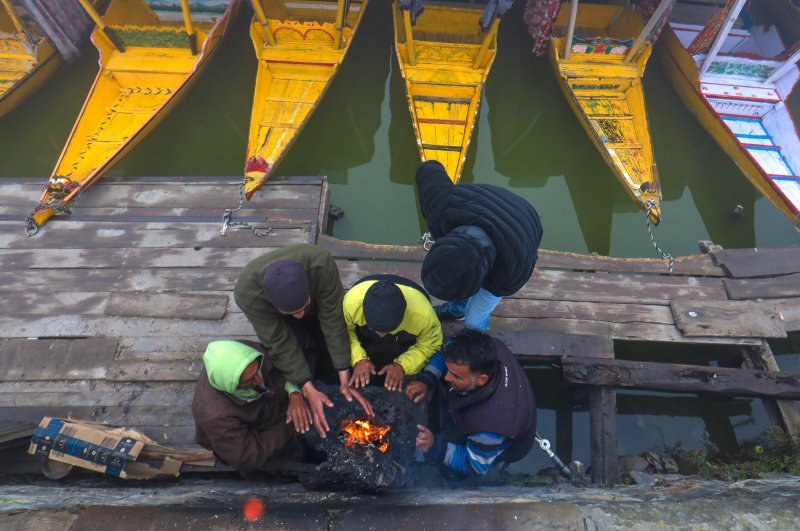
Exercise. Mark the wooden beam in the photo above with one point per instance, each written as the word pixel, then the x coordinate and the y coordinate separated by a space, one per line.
pixel 573 15
pixel 782 413
pixel 603 434
pixel 187 21
pixel 784 68
pixel 721 36
pixel 644 36
pixel 680 378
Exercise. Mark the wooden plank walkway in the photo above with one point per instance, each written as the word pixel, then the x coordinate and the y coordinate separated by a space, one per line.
pixel 105 313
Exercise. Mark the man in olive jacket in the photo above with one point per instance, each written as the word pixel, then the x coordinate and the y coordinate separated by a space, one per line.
pixel 291 296
pixel 240 404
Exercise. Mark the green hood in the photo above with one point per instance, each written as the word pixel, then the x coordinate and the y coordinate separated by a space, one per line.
pixel 225 362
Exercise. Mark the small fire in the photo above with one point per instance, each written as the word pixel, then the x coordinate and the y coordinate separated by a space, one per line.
pixel 357 431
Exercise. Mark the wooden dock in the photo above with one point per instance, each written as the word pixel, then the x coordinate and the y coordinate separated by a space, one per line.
pixel 106 313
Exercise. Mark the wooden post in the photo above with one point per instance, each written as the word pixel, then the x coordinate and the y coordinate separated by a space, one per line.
pixel 603 428
pixel 644 36
pixel 721 36
pixel 337 41
pixel 412 58
pixel 108 32
pixel 783 413
pixel 573 15
pixel 187 21
pixel 563 445
pixel 262 19
pixel 487 41
pixel 785 66
pixel 16 21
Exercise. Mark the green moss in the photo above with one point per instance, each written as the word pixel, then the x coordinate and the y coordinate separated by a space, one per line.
pixel 773 452
pixel 152 37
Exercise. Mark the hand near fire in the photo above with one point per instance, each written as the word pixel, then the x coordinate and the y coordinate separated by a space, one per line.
pixel 416 391
pixel 362 372
pixel 350 393
pixel 298 413
pixel 394 376
pixel 424 439
pixel 317 401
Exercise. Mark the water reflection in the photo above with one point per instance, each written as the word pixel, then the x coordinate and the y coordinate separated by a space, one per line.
pixel 526 139
pixel 341 132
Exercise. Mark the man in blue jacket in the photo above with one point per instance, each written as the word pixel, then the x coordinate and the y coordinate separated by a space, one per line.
pixel 486 245
pixel 490 407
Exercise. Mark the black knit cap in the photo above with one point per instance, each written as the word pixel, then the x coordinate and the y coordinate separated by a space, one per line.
pixel 286 286
pixel 384 306
pixel 457 264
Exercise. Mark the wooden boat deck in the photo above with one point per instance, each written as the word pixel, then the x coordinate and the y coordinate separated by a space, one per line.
pixel 106 313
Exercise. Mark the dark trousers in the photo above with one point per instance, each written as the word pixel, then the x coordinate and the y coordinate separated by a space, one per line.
pixel 312 342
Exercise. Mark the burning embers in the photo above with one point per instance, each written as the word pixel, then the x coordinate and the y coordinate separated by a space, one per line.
pixel 364 432
pixel 365 454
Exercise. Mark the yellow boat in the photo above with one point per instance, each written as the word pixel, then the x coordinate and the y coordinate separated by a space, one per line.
pixel 444 59
pixel 601 76
pixel 146 66
pixel 27 58
pixel 299 48
pixel 738 88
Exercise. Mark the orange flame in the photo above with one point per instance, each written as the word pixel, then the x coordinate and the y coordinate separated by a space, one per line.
pixel 365 432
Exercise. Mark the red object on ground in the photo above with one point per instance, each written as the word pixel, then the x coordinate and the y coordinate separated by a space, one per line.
pixel 253 509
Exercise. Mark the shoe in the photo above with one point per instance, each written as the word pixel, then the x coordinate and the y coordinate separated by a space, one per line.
pixel 443 313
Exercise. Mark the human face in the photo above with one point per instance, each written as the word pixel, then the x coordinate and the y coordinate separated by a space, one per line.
pixel 301 312
pixel 251 376
pixel 461 379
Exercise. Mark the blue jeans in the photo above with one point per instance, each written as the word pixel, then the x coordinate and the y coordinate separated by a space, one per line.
pixel 475 310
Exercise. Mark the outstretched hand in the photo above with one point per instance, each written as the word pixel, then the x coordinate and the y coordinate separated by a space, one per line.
pixel 362 371
pixel 424 439
pixel 298 413
pixel 416 391
pixel 317 401
pixel 394 376
pixel 350 393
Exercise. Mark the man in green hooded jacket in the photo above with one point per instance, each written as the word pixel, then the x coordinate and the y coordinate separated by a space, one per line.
pixel 243 407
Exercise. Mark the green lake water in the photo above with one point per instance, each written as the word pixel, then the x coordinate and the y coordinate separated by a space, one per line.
pixel 526 139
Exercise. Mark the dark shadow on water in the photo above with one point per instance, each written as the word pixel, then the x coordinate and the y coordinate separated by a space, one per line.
pixel 205 134
pixel 340 134
pixel 32 136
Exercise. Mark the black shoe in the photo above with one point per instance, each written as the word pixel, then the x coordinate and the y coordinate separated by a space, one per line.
pixel 444 314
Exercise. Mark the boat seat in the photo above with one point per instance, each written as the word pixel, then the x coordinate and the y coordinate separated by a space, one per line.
pixel 149 61
pixel 621 145
pixel 610 116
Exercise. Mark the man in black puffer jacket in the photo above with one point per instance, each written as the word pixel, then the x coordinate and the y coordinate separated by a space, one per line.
pixel 486 244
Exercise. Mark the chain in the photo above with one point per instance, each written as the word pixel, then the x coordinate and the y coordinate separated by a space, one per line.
pixel 427 241
pixel 227 217
pixel 666 256
pixel 52 203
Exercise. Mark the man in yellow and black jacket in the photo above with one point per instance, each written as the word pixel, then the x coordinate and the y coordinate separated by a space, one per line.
pixel 393 329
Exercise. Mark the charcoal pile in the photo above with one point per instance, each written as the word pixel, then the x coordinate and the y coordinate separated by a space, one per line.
pixel 361 454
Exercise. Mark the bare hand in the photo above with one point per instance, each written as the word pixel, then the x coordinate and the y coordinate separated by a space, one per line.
pixel 416 391
pixel 394 376
pixel 424 439
pixel 349 394
pixel 298 413
pixel 362 372
pixel 317 400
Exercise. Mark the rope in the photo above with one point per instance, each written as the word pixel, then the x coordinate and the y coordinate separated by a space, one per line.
pixel 227 217
pixel 666 256
pixel 427 241
pixel 54 203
